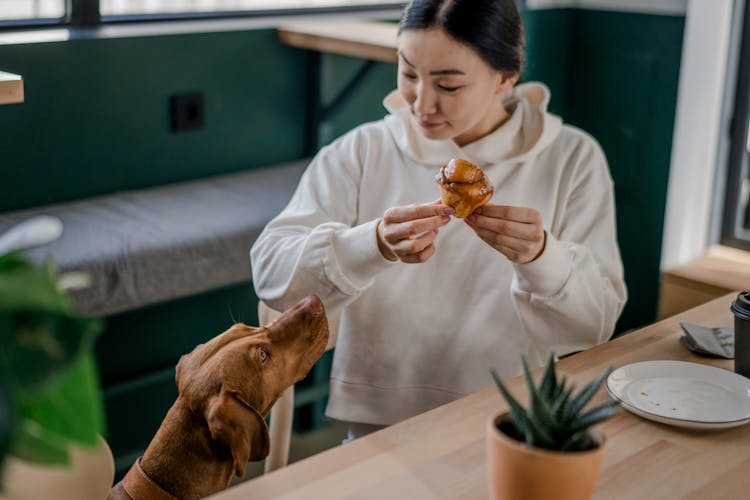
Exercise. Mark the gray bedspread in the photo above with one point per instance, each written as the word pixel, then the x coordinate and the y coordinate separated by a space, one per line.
pixel 146 246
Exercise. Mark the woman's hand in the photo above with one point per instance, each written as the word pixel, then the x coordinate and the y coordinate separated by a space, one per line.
pixel 516 232
pixel 408 233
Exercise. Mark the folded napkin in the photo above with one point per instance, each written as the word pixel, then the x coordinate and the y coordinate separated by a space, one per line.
pixel 714 342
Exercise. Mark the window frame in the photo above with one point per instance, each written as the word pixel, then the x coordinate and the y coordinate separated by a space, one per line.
pixel 87 13
pixel 735 222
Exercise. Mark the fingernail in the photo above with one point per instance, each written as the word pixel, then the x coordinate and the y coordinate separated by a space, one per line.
pixel 478 210
pixel 471 219
pixel 448 210
pixel 446 219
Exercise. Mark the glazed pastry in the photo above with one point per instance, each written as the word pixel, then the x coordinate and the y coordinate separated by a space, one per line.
pixel 463 186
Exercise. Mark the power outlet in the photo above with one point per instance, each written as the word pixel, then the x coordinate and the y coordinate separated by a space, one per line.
pixel 188 111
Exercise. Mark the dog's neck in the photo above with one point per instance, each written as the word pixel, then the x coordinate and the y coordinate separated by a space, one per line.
pixel 183 458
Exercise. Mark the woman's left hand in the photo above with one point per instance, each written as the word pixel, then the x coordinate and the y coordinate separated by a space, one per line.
pixel 516 232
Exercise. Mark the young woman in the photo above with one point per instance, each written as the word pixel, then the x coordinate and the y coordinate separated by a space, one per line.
pixel 429 303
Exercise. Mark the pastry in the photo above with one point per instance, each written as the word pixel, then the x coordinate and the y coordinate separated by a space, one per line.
pixel 463 186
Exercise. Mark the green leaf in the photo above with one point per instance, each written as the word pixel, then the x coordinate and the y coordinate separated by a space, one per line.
pixel 562 385
pixel 43 346
pixel 36 444
pixel 560 406
pixel 548 386
pixel 539 412
pixel 587 393
pixel 519 421
pixel 8 419
pixel 70 408
pixel 579 441
pixel 596 415
pixel 553 420
pixel 514 405
pixel 543 438
pixel 25 286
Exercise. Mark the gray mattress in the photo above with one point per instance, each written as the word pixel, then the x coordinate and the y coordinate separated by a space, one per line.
pixel 146 246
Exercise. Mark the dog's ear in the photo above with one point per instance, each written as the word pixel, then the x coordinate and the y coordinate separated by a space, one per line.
pixel 187 367
pixel 239 427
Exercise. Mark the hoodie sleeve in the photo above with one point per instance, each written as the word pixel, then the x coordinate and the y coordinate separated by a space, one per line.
pixel 316 244
pixel 571 296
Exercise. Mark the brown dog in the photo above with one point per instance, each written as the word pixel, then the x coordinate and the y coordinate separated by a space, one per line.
pixel 226 388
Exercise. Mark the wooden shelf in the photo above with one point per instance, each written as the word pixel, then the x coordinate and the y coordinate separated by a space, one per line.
pixel 11 88
pixel 365 39
pixel 720 271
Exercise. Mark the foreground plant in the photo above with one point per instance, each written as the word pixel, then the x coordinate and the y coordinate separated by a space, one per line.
pixel 49 387
pixel 554 419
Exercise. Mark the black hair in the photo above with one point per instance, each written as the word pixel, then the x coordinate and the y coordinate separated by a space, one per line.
pixel 492 28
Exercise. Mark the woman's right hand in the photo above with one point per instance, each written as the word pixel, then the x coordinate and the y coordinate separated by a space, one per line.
pixel 408 233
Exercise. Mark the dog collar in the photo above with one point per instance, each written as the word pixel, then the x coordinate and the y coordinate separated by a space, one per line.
pixel 139 486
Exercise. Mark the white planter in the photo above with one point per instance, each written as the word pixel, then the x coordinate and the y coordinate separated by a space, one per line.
pixel 90 476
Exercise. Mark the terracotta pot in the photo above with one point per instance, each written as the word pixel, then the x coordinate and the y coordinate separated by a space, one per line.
pixel 89 476
pixel 521 472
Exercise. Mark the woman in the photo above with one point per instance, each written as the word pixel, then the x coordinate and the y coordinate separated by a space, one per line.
pixel 429 302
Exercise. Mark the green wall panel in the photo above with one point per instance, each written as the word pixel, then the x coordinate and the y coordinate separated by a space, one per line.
pixel 622 88
pixel 548 55
pixel 365 104
pixel 97 118
pixel 152 338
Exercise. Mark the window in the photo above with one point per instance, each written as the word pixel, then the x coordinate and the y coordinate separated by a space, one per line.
pixel 31 9
pixel 38 10
pixel 735 230
pixel 131 7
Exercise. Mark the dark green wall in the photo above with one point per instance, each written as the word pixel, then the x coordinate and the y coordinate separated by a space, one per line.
pixel 96 116
pixel 621 87
pixel 548 54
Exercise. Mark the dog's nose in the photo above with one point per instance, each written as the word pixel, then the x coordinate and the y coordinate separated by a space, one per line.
pixel 303 318
pixel 313 304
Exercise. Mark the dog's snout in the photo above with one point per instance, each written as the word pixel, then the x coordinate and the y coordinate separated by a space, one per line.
pixel 313 304
pixel 305 321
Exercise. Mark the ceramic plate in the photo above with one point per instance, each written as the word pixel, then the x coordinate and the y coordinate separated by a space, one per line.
pixel 683 394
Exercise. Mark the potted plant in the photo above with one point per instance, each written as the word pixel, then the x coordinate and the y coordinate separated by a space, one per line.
pixel 51 412
pixel 547 450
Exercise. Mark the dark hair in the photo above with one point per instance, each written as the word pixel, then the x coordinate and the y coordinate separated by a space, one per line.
pixel 492 28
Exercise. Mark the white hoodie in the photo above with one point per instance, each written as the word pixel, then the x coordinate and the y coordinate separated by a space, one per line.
pixel 415 336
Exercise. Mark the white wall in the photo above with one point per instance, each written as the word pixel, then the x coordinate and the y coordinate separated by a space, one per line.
pixel 695 145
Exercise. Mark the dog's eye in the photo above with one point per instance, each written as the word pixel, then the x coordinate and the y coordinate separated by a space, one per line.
pixel 263 353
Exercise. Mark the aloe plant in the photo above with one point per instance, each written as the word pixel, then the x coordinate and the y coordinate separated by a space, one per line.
pixel 555 419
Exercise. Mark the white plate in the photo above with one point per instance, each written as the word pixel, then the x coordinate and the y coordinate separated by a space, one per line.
pixel 682 394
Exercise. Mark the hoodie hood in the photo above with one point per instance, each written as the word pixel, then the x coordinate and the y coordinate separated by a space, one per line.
pixel 528 131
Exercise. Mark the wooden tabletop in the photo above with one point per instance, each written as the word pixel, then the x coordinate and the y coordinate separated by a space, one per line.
pixel 365 39
pixel 11 88
pixel 721 267
pixel 441 453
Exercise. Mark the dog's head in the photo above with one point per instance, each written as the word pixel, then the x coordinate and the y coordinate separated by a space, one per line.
pixel 234 379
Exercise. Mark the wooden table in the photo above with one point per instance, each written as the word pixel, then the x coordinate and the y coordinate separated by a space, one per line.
pixel 373 42
pixel 441 453
pixel 364 39
pixel 11 88
pixel 719 271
